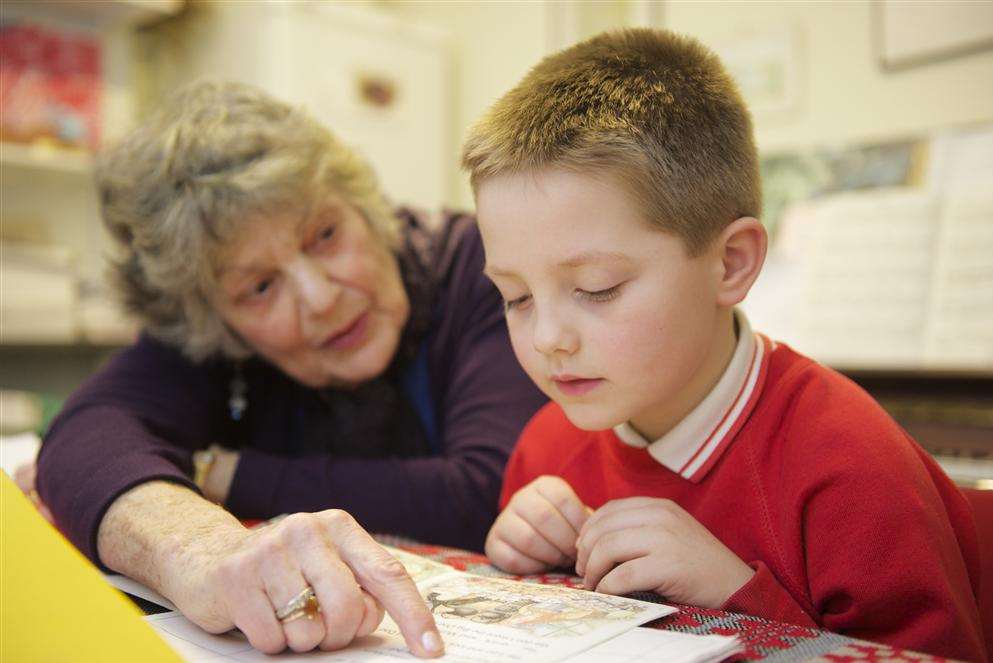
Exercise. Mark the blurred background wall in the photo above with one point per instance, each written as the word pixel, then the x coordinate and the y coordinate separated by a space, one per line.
pixel 842 93
pixel 874 120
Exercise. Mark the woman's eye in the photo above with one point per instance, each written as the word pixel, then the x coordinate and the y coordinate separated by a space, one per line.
pixel 258 290
pixel 604 295
pixel 516 303
pixel 323 239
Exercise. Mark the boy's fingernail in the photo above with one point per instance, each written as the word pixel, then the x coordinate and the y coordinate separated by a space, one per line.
pixel 431 641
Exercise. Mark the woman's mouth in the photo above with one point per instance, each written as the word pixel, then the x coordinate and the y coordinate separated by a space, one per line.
pixel 576 386
pixel 349 337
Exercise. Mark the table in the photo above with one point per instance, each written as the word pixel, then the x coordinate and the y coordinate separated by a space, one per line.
pixel 761 639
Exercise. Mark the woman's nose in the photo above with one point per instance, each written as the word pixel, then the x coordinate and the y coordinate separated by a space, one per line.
pixel 552 333
pixel 316 290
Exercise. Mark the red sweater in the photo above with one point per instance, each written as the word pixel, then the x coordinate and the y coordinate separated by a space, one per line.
pixel 848 523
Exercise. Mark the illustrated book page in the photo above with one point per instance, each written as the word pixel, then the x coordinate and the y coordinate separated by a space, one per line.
pixel 481 619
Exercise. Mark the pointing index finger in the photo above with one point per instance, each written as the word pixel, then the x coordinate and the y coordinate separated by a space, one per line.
pixel 385 578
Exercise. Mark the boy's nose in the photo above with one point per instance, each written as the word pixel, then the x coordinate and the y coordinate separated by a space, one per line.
pixel 551 335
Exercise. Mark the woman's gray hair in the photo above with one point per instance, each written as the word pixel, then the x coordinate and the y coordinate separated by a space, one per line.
pixel 178 187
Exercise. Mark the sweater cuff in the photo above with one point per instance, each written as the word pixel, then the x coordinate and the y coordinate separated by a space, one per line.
pixel 763 596
pixel 253 488
pixel 103 489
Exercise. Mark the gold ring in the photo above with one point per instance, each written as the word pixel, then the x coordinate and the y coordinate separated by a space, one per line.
pixel 304 604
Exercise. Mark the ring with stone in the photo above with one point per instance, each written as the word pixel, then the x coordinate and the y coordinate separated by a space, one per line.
pixel 304 604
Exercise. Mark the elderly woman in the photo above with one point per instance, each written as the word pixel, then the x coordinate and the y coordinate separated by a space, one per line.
pixel 338 360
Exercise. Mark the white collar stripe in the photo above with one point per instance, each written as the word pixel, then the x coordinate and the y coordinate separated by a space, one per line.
pixel 721 433
pixel 722 425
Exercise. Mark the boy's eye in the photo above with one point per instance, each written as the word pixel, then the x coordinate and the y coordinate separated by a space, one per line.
pixel 326 233
pixel 604 295
pixel 516 303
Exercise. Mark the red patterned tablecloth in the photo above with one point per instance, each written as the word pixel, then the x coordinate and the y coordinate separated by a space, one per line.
pixel 761 639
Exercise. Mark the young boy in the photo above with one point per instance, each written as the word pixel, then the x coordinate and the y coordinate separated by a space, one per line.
pixel 617 190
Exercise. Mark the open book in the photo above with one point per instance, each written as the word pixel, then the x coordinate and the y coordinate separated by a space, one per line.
pixel 484 620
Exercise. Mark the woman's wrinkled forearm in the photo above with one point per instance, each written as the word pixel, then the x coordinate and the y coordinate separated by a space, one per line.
pixel 162 534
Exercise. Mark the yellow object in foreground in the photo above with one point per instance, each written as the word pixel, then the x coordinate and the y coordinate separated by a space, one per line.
pixel 54 604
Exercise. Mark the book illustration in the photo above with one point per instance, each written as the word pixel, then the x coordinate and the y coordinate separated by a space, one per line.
pixel 489 620
pixel 420 569
pixel 539 610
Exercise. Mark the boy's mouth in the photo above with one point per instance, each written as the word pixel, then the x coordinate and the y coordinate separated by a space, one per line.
pixel 572 385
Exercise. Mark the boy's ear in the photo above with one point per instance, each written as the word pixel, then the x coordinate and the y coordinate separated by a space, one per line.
pixel 741 248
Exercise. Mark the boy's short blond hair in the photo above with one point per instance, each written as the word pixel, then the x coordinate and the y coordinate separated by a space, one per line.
pixel 652 108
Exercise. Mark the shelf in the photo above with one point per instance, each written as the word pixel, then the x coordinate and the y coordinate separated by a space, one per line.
pixel 69 332
pixel 94 13
pixel 926 372
pixel 46 158
pixel 971 472
pixel 73 345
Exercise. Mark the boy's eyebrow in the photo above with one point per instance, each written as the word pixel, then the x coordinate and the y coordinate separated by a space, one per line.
pixel 571 263
pixel 592 256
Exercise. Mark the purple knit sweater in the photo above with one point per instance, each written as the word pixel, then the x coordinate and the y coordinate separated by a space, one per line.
pixel 140 418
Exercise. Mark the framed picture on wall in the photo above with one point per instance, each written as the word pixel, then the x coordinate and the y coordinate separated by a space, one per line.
pixel 909 33
pixel 766 65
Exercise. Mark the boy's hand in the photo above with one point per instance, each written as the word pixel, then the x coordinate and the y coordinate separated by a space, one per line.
pixel 537 530
pixel 648 544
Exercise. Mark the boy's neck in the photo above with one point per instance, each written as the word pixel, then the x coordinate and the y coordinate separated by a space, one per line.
pixel 723 343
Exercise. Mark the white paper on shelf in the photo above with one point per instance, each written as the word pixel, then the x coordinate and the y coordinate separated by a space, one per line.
pixel 101 320
pixel 898 278
pixel 960 315
pixel 38 293
pixel 865 270
pixel 16 450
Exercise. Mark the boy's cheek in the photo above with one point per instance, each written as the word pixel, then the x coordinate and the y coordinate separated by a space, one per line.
pixel 525 353
pixel 539 378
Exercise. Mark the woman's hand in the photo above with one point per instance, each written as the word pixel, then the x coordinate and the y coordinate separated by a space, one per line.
pixel 537 530
pixel 24 477
pixel 648 544
pixel 256 574
pixel 214 470
pixel 221 575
